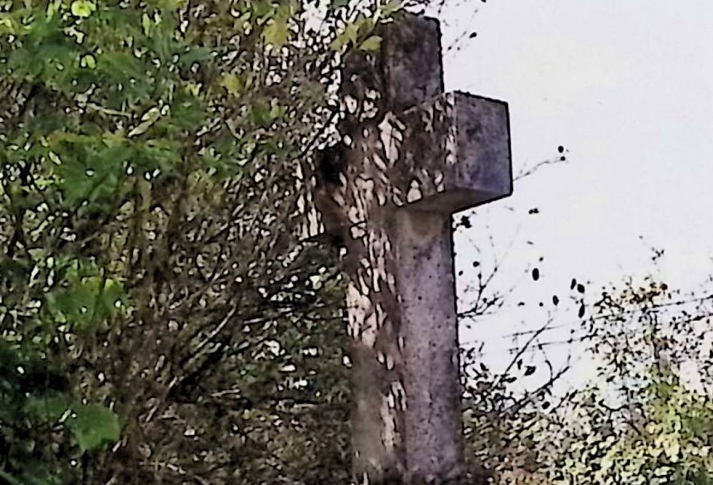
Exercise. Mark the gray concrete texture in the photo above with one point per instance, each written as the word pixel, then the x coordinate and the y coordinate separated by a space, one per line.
pixel 410 156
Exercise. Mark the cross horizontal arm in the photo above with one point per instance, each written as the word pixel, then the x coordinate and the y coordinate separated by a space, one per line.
pixel 449 154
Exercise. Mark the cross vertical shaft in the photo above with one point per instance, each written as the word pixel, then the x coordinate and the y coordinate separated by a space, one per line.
pixel 432 418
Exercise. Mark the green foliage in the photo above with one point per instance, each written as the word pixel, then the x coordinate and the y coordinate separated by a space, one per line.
pixel 39 416
pixel 664 439
pixel 157 317
pixel 642 423
pixel 93 426
pixel 647 417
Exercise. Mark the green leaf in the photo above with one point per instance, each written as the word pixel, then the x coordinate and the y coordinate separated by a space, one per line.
pixel 351 32
pixel 10 479
pixel 373 43
pixel 338 4
pixel 390 7
pixel 49 409
pixel 94 426
pixel 195 54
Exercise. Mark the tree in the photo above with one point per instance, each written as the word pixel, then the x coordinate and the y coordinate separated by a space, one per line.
pixel 643 423
pixel 160 323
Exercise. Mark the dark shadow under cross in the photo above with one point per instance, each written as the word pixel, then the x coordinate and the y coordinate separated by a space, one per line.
pixel 411 156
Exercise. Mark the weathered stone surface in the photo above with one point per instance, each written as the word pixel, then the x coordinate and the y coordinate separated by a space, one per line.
pixel 448 154
pixel 411 156
pixel 410 44
pixel 425 282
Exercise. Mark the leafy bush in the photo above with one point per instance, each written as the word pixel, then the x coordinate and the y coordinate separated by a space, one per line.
pixel 159 322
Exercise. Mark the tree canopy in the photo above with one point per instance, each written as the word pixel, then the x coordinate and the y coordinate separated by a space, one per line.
pixel 160 323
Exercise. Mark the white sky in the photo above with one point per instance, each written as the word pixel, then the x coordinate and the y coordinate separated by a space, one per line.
pixel 627 87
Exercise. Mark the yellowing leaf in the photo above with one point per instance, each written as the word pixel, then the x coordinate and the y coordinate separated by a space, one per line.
pixel 146 23
pixel 276 32
pixel 82 8
pixel 175 4
pixel 53 8
pixel 88 61
pixel 7 25
pixel 672 447
pixel 55 158
pixel 232 83
pixel 193 89
pixel 148 119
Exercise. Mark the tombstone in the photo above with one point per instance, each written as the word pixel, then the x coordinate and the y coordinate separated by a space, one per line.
pixel 410 157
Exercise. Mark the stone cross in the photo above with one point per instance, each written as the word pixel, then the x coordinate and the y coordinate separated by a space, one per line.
pixel 410 156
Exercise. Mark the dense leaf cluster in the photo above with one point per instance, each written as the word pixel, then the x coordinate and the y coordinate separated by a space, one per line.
pixel 158 320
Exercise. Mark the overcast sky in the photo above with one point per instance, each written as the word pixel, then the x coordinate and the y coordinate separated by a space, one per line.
pixel 626 86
